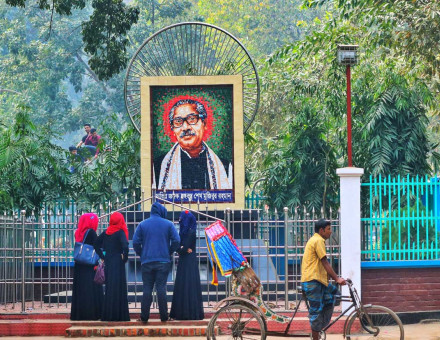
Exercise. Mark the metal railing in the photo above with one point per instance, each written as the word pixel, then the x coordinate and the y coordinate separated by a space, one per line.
pixel 36 252
pixel 401 219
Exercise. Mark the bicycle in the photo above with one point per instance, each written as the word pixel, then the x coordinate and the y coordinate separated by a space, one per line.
pixel 246 318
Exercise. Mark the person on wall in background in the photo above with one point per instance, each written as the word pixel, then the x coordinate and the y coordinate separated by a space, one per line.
pixel 187 296
pixel 75 159
pixel 87 296
pixel 92 142
pixel 191 163
pixel 155 240
pixel 87 128
pixel 114 241
pixel 315 270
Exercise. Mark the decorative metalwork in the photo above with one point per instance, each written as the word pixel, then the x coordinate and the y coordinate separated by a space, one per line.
pixel 192 49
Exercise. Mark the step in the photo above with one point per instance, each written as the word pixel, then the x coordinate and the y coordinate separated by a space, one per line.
pixel 51 324
pixel 62 327
pixel 161 330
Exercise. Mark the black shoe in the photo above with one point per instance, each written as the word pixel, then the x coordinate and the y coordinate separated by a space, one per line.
pixel 141 320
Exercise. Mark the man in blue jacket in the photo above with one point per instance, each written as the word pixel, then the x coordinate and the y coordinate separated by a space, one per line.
pixel 155 240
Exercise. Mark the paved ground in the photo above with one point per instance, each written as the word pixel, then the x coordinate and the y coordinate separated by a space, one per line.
pixel 422 331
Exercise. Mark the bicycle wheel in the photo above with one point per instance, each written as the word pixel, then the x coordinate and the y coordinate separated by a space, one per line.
pixel 236 322
pixel 378 321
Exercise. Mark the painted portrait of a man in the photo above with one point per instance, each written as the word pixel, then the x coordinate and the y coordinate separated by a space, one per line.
pixel 190 163
pixel 192 145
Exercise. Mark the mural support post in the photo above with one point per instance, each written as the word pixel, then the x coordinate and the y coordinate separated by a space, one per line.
pixel 286 259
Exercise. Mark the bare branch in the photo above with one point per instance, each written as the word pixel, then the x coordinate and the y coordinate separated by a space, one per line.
pixel 90 71
pixel 51 20
pixel 10 91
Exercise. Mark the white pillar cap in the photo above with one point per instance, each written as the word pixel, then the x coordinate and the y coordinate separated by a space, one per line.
pixel 350 172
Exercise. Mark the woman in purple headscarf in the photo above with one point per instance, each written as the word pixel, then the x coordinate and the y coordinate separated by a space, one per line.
pixel 187 297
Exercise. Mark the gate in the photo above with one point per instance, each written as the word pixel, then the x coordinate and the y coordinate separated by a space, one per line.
pixel 36 252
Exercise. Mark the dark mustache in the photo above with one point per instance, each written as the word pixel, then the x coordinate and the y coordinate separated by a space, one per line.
pixel 187 133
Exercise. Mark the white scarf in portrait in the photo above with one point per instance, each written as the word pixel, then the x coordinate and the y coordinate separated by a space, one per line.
pixel 171 175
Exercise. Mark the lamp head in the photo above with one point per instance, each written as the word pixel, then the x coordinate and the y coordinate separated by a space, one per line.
pixel 347 54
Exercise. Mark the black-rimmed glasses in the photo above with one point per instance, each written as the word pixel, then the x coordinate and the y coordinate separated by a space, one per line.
pixel 191 119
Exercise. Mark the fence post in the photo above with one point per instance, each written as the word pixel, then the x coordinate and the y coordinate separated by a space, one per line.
pixel 286 260
pixel 23 258
pixel 350 230
pixel 228 227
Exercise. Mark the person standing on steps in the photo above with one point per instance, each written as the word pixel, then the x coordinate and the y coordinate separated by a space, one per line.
pixel 114 241
pixel 155 240
pixel 87 296
pixel 187 296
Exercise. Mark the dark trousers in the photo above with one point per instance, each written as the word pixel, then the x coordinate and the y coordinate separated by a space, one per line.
pixel 91 148
pixel 154 273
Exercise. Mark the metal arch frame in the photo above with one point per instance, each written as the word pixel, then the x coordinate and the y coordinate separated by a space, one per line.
pixel 257 79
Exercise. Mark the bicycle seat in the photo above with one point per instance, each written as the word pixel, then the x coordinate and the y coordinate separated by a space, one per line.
pixel 299 289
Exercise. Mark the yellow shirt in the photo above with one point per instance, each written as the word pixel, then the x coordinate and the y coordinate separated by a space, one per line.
pixel 311 267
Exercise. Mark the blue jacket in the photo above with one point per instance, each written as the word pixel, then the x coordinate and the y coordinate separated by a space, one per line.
pixel 156 238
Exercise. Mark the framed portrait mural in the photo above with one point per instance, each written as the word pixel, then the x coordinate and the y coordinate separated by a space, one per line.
pixel 192 146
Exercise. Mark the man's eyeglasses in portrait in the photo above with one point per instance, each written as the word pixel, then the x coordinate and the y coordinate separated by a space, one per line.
pixel 191 119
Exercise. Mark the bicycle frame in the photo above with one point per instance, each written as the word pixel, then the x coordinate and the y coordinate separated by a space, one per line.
pixel 356 303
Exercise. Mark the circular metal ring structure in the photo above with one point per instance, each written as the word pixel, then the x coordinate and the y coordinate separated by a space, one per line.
pixel 191 49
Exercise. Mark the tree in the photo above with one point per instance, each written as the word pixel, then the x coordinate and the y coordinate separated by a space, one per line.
pixel 32 168
pixel 299 163
pixel 392 122
pixel 262 26
pixel 104 34
pixel 115 172
pixel 305 95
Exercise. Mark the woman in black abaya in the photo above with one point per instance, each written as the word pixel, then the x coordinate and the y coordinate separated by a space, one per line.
pixel 187 297
pixel 87 296
pixel 114 241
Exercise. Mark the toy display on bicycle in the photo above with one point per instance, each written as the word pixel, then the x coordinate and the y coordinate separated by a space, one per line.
pixel 244 315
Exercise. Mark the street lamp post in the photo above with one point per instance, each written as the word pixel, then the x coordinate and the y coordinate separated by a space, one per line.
pixel 347 55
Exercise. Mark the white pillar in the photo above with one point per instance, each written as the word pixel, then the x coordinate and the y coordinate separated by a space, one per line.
pixel 350 229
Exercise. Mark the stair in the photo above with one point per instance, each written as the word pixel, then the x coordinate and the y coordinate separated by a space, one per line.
pixel 135 328
pixel 56 324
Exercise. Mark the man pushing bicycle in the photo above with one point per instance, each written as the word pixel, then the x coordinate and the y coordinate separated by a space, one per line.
pixel 315 270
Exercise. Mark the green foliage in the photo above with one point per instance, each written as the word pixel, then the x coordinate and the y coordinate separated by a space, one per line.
pixel 389 117
pixel 115 172
pixel 298 163
pixel 400 27
pixel 395 141
pixel 262 26
pixel 104 36
pixel 32 168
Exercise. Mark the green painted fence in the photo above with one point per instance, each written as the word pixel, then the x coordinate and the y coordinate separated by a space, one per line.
pixel 401 219
pixel 254 200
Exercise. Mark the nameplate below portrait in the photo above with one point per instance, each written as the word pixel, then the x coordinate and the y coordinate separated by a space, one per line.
pixel 196 196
